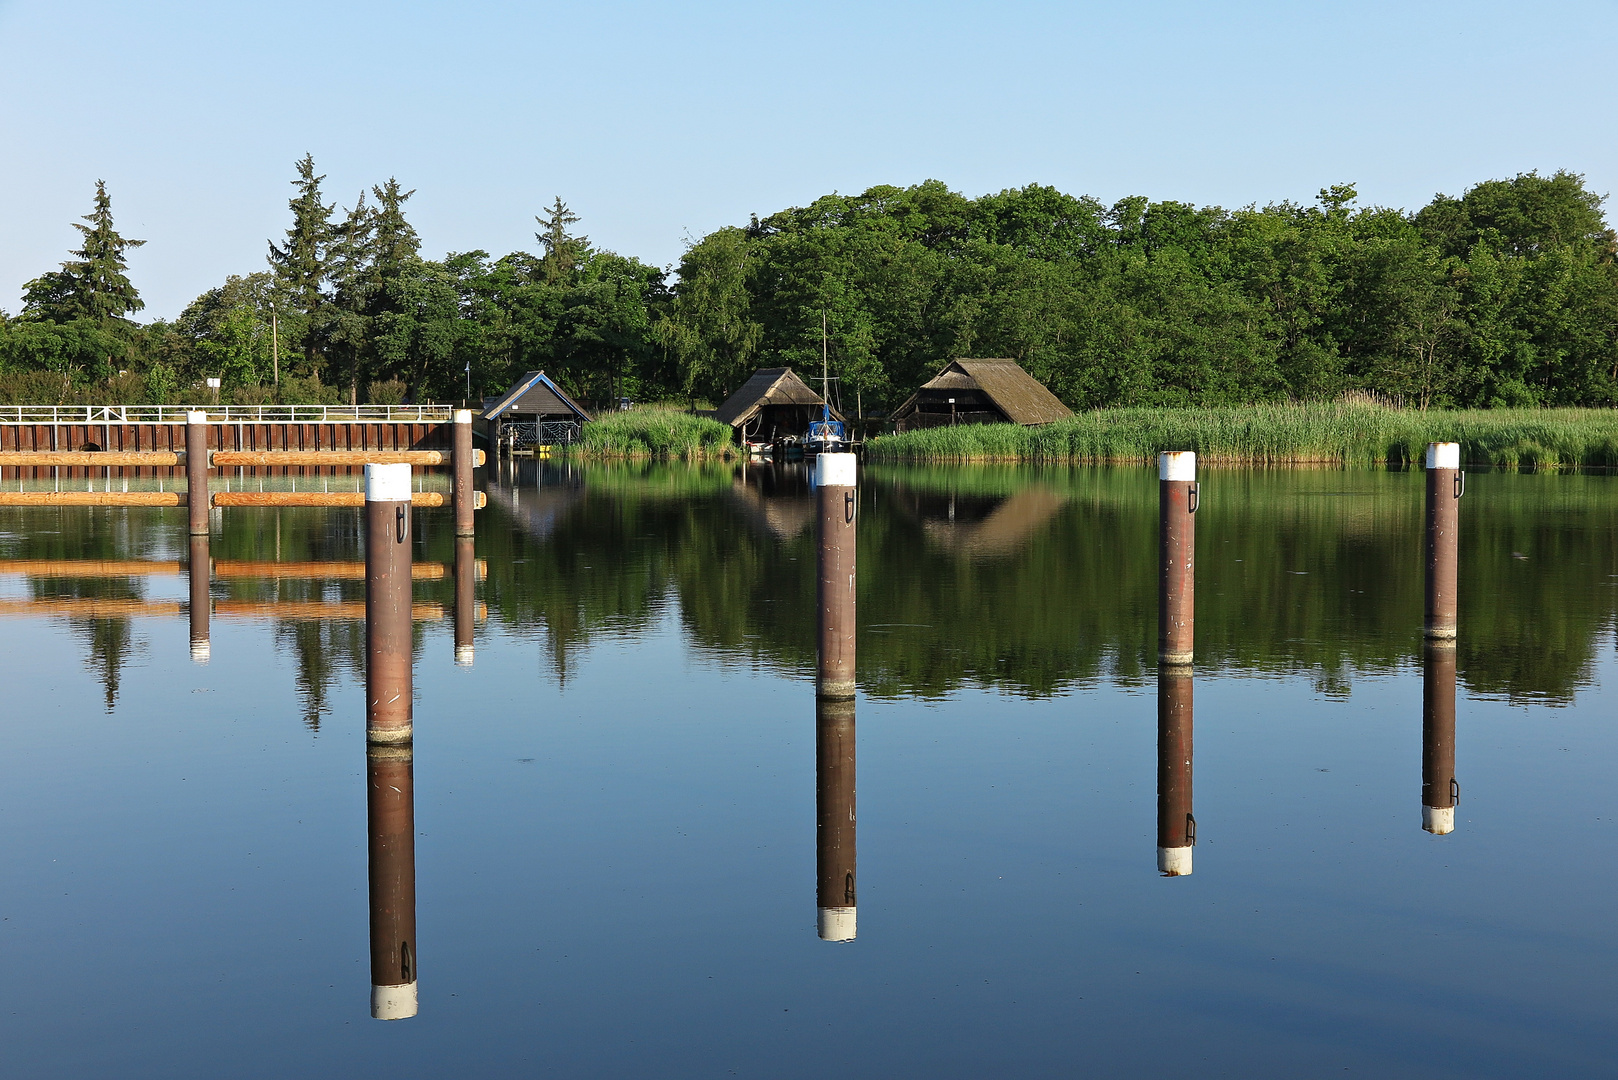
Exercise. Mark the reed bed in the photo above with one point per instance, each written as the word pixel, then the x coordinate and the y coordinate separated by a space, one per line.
pixel 656 433
pixel 1335 433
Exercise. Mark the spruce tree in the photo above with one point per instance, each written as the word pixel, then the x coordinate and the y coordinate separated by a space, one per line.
pixel 394 239
pixel 563 250
pixel 92 285
pixel 303 263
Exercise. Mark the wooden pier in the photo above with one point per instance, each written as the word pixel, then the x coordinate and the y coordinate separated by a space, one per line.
pixel 99 428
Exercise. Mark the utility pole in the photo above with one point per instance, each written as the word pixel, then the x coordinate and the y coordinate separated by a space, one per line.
pixel 275 344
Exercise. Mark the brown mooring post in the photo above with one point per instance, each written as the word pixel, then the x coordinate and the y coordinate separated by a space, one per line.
pixel 196 471
pixel 390 812
pixel 465 598
pixel 199 570
pixel 1177 536
pixel 387 605
pixel 837 498
pixel 1176 828
pixel 1440 791
pixel 834 817
pixel 462 464
pixel 1445 484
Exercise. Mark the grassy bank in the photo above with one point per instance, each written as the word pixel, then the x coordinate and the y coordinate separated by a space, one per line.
pixel 655 433
pixel 1334 433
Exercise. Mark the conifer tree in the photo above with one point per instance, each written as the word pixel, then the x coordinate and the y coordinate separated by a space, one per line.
pixel 563 250
pixel 303 263
pixel 93 285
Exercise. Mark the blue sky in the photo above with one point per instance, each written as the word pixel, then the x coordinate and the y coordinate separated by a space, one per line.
pixel 659 122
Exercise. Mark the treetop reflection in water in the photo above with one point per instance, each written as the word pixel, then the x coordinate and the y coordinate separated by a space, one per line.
pixel 1024 579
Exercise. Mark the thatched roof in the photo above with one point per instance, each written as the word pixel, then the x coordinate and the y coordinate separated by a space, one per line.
pixel 768 386
pixel 1013 391
pixel 1005 531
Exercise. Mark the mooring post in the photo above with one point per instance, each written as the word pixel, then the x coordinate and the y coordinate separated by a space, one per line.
pixel 199 571
pixel 1445 483
pixel 387 604
pixel 1440 791
pixel 836 477
pixel 834 817
pixel 390 811
pixel 465 598
pixel 1177 536
pixel 462 463
pixel 1176 827
pixel 196 471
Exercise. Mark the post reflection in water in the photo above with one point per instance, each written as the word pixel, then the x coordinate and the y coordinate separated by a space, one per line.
pixel 390 810
pixel 390 806
pixel 837 500
pixel 1176 827
pixel 199 570
pixel 465 598
pixel 1440 791
pixel 835 818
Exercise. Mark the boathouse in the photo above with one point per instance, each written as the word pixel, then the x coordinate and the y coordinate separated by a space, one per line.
pixel 980 392
pixel 534 412
pixel 772 405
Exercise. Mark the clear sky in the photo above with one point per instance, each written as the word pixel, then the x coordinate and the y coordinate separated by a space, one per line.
pixel 658 121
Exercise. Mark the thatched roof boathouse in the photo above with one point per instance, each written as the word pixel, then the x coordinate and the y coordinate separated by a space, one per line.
pixel 980 392
pixel 771 406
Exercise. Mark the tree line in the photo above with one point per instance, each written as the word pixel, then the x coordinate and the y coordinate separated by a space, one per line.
pixel 1506 295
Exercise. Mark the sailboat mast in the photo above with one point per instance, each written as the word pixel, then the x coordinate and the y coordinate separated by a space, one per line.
pixel 825 371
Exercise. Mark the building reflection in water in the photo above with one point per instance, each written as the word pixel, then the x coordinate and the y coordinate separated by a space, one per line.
pixel 835 818
pixel 1176 827
pixel 1440 791
pixel 390 810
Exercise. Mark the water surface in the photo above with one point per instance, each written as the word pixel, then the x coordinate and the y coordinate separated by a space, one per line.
pixel 615 806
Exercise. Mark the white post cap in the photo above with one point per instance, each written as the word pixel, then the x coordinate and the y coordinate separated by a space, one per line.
pixel 393 1002
pixel 836 470
pixel 1177 465
pixel 1174 861
pixel 1438 820
pixel 837 923
pixel 463 656
pixel 196 416
pixel 463 416
pixel 387 483
pixel 200 651
pixel 1444 455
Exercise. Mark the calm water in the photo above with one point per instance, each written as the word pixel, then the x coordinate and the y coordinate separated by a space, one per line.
pixel 615 806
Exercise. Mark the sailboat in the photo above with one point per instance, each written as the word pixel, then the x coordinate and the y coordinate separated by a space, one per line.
pixel 825 436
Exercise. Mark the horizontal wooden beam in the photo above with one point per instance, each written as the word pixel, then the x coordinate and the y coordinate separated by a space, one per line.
pixel 314 498
pixel 314 610
pixel 92 498
pixel 236 458
pixel 92 457
pixel 90 568
pixel 335 571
